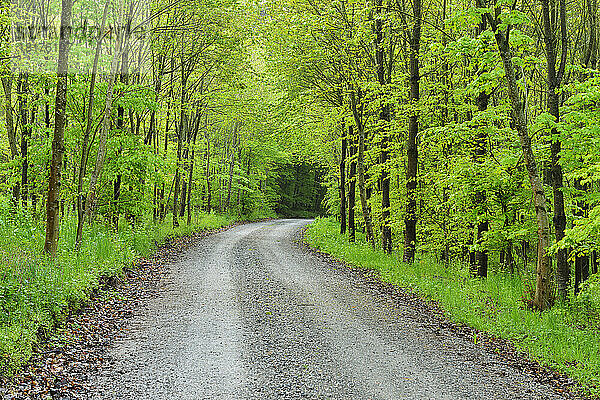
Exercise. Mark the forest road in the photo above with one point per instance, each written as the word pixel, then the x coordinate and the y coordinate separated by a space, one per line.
pixel 250 314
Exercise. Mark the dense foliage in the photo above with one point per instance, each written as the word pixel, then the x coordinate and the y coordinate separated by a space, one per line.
pixel 472 126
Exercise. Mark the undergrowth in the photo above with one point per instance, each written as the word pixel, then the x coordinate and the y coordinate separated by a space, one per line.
pixel 566 337
pixel 36 292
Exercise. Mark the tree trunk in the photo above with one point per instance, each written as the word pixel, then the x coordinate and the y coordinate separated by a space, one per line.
pixel 10 128
pixel 555 78
pixel 410 221
pixel 177 177
pixel 191 172
pixel 58 146
pixel 88 130
pixel 479 265
pixel 351 186
pixel 208 189
pixel 590 55
pixel 90 202
pixel 124 79
pixel 25 136
pixel 361 169
pixel 230 180
pixel 180 136
pixel 480 262
pixel 343 183
pixel 543 292
pixel 384 118
pixel 582 262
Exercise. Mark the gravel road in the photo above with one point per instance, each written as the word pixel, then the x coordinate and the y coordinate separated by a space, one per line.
pixel 249 314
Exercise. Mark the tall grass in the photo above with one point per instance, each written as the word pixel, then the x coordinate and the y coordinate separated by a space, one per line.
pixel 36 292
pixel 567 337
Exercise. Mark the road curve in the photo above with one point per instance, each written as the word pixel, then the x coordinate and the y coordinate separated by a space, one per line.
pixel 249 314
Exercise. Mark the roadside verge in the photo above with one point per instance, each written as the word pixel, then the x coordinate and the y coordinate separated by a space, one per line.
pixel 485 312
pixel 74 350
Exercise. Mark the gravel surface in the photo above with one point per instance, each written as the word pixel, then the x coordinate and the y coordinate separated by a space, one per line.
pixel 250 314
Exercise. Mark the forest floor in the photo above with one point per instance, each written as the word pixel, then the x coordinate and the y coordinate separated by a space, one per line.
pixel 251 313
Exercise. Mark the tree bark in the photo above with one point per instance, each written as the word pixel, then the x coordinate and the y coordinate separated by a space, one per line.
pixel 351 186
pixel 555 78
pixel 231 159
pixel 58 146
pixel 90 202
pixel 124 79
pixel 480 262
pixel 384 118
pixel 343 183
pixel 25 136
pixel 361 168
pixel 582 261
pixel 177 174
pixel 10 129
pixel 191 172
pixel 590 55
pixel 410 221
pixel 208 189
pixel 88 130
pixel 543 292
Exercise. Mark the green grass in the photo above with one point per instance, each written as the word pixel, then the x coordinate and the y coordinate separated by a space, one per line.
pixel 567 337
pixel 36 292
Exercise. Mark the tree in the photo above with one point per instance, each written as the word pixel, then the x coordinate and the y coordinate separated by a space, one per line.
pixel 543 293
pixel 58 149
pixel 410 221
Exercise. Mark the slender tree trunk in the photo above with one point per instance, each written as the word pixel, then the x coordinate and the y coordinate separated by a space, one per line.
pixel 10 128
pixel 385 118
pixel 352 186
pixel 480 262
pixel 191 172
pixel 124 79
pixel 208 189
pixel 180 136
pixel 590 55
pixel 231 157
pixel 361 169
pixel 177 177
pixel 8 116
pixel 410 221
pixel 343 183
pixel 479 265
pixel 582 262
pixel 555 77
pixel 58 146
pixel 185 167
pixel 88 130
pixel 25 136
pixel 90 202
pixel 543 292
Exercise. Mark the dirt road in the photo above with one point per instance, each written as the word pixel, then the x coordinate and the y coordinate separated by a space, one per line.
pixel 249 314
